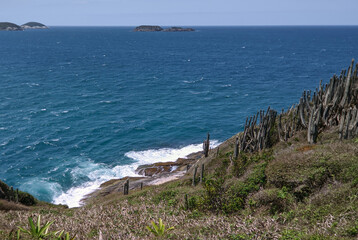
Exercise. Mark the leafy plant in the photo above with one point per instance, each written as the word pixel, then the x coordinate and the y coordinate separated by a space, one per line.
pixel 36 231
pixel 65 237
pixel 159 230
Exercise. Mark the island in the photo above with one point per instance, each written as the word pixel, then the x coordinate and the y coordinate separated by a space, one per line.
pixel 153 28
pixel 178 29
pixel 34 25
pixel 7 26
pixel 148 28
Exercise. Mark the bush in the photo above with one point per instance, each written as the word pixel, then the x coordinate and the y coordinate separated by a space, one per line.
pixel 277 200
pixel 168 195
pixel 27 199
pixel 214 193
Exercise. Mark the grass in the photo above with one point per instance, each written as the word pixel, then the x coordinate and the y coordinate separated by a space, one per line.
pixel 292 191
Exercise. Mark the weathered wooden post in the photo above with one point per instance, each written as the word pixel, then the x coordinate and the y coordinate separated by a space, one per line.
pixel 141 185
pixel 195 170
pixel 186 201
pixel 126 187
pixel 236 149
pixel 202 173
pixel 206 145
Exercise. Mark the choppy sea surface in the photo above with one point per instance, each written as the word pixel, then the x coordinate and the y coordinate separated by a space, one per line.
pixel 82 105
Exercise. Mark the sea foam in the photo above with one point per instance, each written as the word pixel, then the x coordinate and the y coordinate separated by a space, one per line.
pixel 100 173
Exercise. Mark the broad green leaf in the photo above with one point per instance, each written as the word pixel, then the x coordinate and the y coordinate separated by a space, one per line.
pixel 32 227
pixel 38 224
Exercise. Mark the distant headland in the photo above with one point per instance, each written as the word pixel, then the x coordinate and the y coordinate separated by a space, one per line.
pixel 151 28
pixel 7 26
pixel 33 25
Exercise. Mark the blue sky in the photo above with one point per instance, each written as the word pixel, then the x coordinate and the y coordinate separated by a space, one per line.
pixel 180 12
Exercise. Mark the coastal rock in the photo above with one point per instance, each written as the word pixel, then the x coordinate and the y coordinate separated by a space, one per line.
pixel 7 26
pixel 148 28
pixel 178 29
pixel 33 25
pixel 156 168
pixel 159 168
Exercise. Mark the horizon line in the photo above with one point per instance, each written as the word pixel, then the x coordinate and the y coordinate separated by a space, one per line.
pixel 291 25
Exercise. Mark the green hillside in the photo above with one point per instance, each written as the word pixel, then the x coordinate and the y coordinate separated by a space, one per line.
pixel 9 26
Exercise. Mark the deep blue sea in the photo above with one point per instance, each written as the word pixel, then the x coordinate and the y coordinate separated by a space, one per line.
pixel 82 105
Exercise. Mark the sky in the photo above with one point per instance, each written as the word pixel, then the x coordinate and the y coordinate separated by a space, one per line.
pixel 180 12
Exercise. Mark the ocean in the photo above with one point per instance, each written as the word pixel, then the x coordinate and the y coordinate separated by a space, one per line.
pixel 82 105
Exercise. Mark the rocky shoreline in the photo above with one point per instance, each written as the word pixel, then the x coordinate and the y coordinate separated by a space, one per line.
pixel 152 174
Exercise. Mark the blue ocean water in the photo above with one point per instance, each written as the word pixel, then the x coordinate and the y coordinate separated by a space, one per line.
pixel 82 105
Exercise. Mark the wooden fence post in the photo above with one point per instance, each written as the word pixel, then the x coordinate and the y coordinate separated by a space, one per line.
pixel 126 187
pixel 202 173
pixel 196 168
pixel 186 201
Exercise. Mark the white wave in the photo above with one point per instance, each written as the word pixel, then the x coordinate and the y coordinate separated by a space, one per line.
pixel 72 198
pixel 100 173
pixel 97 173
pixel 166 154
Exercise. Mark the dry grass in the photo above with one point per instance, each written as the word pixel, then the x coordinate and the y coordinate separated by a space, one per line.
pixel 310 192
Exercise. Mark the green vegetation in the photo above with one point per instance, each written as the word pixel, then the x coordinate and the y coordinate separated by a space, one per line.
pixel 290 191
pixel 9 26
pixel 38 232
pixel 159 230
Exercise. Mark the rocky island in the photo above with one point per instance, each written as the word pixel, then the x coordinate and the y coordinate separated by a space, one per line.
pixel 150 28
pixel 33 25
pixel 178 29
pixel 7 26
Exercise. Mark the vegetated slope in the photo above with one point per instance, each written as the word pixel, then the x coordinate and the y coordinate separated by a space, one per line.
pixel 33 25
pixel 9 26
pixel 290 189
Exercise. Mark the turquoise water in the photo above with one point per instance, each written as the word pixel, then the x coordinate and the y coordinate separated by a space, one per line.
pixel 80 106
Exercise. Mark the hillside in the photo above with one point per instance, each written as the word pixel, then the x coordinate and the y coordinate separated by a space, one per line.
pixel 292 175
pixel 33 25
pixel 7 26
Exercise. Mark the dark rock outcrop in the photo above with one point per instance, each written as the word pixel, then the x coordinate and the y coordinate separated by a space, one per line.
pixel 148 28
pixel 156 169
pixel 178 29
pixel 7 26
